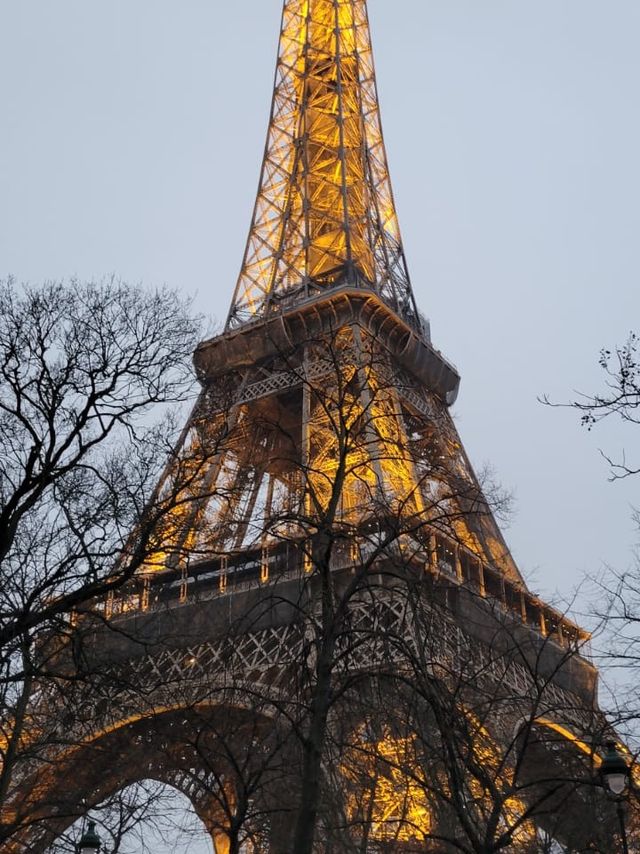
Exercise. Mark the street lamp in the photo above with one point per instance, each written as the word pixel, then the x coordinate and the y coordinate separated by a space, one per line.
pixel 614 773
pixel 90 842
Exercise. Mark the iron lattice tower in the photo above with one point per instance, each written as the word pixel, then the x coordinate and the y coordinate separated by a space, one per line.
pixel 324 214
pixel 319 470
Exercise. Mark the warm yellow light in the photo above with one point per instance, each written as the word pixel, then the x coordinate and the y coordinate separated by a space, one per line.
pixel 573 739
pixel 390 800
pixel 325 199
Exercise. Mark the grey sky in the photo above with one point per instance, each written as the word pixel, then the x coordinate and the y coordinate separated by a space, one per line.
pixel 132 132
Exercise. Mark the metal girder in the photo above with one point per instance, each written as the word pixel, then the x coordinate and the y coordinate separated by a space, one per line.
pixel 324 214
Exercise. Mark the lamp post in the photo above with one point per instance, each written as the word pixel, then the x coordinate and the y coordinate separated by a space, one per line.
pixel 614 773
pixel 90 842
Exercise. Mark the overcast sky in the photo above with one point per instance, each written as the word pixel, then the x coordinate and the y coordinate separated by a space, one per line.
pixel 132 133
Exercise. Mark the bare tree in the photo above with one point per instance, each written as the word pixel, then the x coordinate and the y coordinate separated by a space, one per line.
pixel 616 601
pixel 620 399
pixel 474 751
pixel 372 554
pixel 135 820
pixel 87 371
pixel 335 651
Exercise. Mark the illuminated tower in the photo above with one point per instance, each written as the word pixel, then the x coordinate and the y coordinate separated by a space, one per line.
pixel 324 262
pixel 320 463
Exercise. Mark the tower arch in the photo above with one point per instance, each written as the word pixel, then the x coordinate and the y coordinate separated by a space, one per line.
pixel 228 762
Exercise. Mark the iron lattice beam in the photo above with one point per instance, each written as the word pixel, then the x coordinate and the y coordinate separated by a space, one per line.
pixel 324 213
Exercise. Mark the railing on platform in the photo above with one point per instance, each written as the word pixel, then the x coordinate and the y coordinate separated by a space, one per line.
pixel 446 561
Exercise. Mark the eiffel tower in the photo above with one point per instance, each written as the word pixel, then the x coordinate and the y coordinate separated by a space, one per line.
pixel 328 533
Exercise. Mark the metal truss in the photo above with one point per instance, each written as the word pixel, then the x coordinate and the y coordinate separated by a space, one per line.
pixel 324 213
pixel 266 458
pixel 256 665
pixel 288 415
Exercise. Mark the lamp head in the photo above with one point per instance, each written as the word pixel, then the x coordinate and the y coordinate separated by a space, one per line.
pixel 614 770
pixel 89 841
